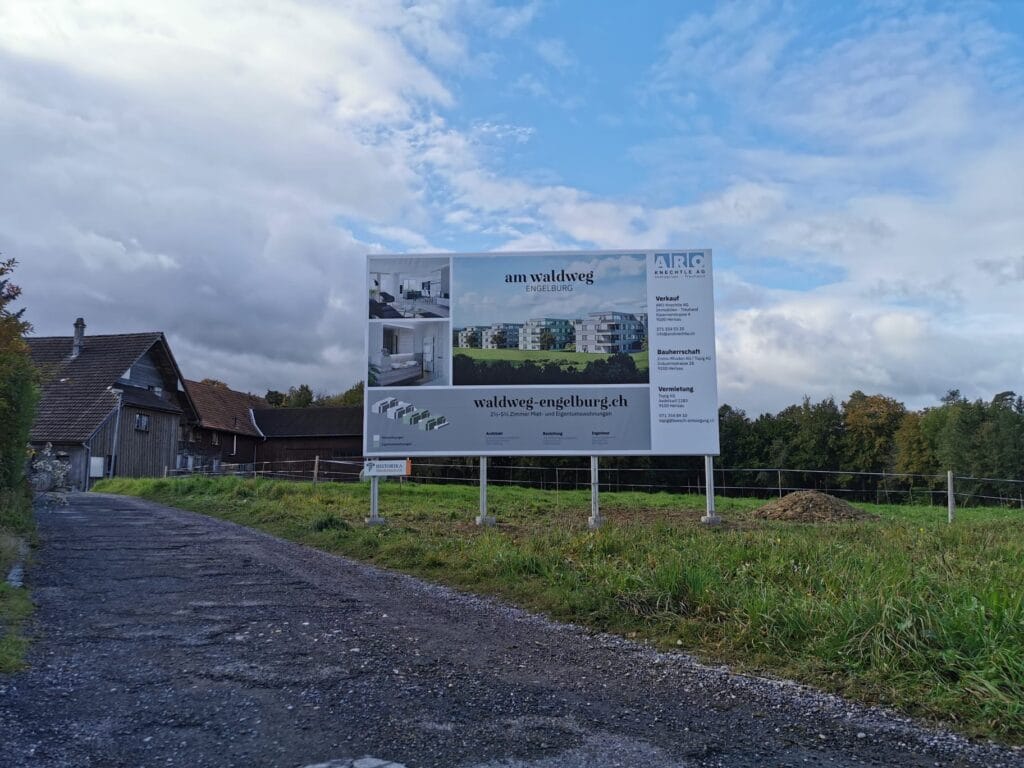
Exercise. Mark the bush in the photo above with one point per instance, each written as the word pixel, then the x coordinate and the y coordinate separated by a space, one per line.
pixel 17 385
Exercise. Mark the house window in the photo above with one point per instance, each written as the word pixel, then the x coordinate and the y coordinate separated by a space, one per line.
pixel 142 422
pixel 215 438
pixel 391 341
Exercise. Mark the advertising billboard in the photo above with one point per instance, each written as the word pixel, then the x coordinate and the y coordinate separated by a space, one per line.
pixel 543 353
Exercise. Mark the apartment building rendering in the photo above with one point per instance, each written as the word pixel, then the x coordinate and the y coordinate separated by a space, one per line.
pixel 510 332
pixel 474 335
pixel 609 332
pixel 533 331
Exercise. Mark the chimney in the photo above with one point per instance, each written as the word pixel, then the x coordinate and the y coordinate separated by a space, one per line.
pixel 76 347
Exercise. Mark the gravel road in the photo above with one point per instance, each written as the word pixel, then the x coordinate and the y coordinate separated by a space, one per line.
pixel 166 638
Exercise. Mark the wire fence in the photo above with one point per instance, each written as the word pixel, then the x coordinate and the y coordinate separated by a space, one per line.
pixel 757 482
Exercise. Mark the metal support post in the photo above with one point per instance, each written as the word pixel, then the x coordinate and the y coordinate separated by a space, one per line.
pixel 595 489
pixel 374 518
pixel 950 497
pixel 483 518
pixel 711 518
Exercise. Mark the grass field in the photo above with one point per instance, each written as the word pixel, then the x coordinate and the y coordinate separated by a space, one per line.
pixel 909 611
pixel 16 530
pixel 577 360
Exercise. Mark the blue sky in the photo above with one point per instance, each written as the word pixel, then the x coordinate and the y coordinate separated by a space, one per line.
pixel 855 167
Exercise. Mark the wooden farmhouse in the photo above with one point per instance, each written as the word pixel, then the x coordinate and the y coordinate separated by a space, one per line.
pixel 225 433
pixel 111 405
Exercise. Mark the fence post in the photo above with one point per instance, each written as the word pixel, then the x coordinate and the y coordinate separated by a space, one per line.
pixel 375 518
pixel 780 482
pixel 165 470
pixel 711 518
pixel 950 496
pixel 595 489
pixel 316 468
pixel 483 518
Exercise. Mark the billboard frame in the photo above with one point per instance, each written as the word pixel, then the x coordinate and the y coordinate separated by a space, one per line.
pixel 432 260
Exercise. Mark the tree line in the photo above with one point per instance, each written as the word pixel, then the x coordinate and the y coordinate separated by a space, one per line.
pixel 903 454
pixel 878 434
pixel 820 444
pixel 303 396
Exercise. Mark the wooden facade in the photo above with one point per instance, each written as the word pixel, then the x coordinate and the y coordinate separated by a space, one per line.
pixel 116 397
pixel 302 434
pixel 210 446
pixel 279 449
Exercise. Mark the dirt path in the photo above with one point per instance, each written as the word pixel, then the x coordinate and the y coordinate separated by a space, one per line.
pixel 167 638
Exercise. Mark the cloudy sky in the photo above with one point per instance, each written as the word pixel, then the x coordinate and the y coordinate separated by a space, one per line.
pixel 218 171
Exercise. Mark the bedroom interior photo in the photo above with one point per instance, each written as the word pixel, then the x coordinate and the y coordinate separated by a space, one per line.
pixel 412 354
pixel 410 288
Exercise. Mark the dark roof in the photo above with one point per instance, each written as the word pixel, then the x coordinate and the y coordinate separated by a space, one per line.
pixel 224 409
pixel 77 395
pixel 310 422
pixel 143 398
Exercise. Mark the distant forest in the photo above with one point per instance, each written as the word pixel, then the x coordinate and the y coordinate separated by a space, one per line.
pixel 864 433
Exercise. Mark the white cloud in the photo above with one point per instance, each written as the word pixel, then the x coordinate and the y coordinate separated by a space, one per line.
pixel 406 237
pixel 556 53
pixel 892 157
pixel 192 167
pixel 195 160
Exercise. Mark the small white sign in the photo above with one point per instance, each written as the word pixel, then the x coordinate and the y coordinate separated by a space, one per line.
pixel 96 467
pixel 387 467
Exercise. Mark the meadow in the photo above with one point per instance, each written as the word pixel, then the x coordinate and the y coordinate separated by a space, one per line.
pixel 17 531
pixel 906 611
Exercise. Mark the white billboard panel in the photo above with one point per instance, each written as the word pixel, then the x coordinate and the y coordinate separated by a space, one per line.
pixel 546 353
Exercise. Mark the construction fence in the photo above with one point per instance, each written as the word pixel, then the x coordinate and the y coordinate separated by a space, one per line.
pixel 761 482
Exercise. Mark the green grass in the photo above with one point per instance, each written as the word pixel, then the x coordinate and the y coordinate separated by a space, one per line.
pixel 569 360
pixel 16 529
pixel 907 611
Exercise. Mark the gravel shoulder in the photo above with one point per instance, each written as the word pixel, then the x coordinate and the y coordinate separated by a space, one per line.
pixel 168 638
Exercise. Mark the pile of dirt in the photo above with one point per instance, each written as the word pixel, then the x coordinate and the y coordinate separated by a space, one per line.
pixel 811 507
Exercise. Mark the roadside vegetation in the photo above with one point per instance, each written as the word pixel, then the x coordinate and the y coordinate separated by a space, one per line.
pixel 905 611
pixel 17 407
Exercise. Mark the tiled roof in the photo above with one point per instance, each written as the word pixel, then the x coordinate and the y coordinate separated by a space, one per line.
pixel 310 422
pixel 223 408
pixel 77 394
